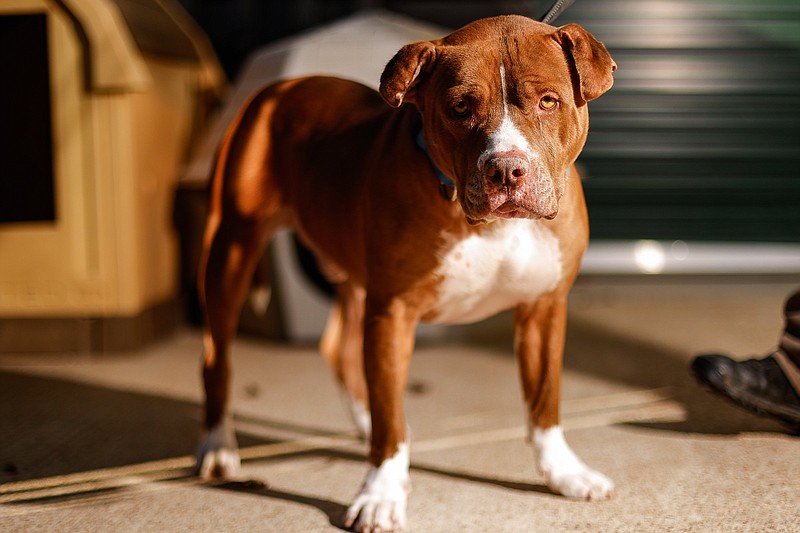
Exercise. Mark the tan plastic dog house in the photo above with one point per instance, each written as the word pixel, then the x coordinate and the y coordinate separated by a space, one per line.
pixel 108 95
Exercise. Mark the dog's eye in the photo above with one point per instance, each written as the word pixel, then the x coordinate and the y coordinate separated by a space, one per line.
pixel 460 108
pixel 547 103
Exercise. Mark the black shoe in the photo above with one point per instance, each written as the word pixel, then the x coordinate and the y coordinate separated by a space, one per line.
pixel 756 384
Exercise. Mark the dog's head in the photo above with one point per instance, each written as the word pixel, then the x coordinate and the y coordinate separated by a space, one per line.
pixel 503 105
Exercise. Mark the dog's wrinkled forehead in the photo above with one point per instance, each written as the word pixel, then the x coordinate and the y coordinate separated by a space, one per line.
pixel 513 59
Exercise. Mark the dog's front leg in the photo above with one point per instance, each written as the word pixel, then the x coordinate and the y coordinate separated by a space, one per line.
pixel 388 342
pixel 539 345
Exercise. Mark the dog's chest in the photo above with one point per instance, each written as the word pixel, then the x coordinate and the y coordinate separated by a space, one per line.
pixel 512 262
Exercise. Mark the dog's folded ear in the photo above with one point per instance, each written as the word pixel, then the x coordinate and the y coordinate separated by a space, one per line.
pixel 591 63
pixel 402 72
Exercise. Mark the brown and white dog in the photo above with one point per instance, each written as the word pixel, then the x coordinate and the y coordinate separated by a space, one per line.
pixel 498 110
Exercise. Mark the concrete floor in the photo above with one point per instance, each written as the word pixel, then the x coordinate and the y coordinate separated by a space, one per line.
pixel 103 443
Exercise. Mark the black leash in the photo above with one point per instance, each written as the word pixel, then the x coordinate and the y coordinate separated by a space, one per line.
pixel 555 11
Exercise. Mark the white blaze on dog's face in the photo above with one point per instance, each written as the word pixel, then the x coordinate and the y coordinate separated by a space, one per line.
pixel 507 128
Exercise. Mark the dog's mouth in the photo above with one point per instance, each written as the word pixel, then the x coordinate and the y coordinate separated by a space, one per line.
pixel 510 209
pixel 503 206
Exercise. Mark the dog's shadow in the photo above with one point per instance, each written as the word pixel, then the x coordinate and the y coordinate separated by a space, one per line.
pixel 333 510
pixel 336 511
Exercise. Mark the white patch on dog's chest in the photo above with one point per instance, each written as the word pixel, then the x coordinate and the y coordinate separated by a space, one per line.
pixel 512 262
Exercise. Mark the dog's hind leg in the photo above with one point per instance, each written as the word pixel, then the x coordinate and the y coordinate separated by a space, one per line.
pixel 243 214
pixel 227 272
pixel 342 345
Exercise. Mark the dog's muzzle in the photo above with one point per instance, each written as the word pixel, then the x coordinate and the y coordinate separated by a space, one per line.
pixel 510 185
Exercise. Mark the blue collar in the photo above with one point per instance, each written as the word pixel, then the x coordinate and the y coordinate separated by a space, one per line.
pixel 447 186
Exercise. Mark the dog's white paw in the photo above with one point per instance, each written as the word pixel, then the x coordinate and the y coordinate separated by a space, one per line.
pixel 564 472
pixel 583 483
pixel 218 464
pixel 218 455
pixel 380 507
